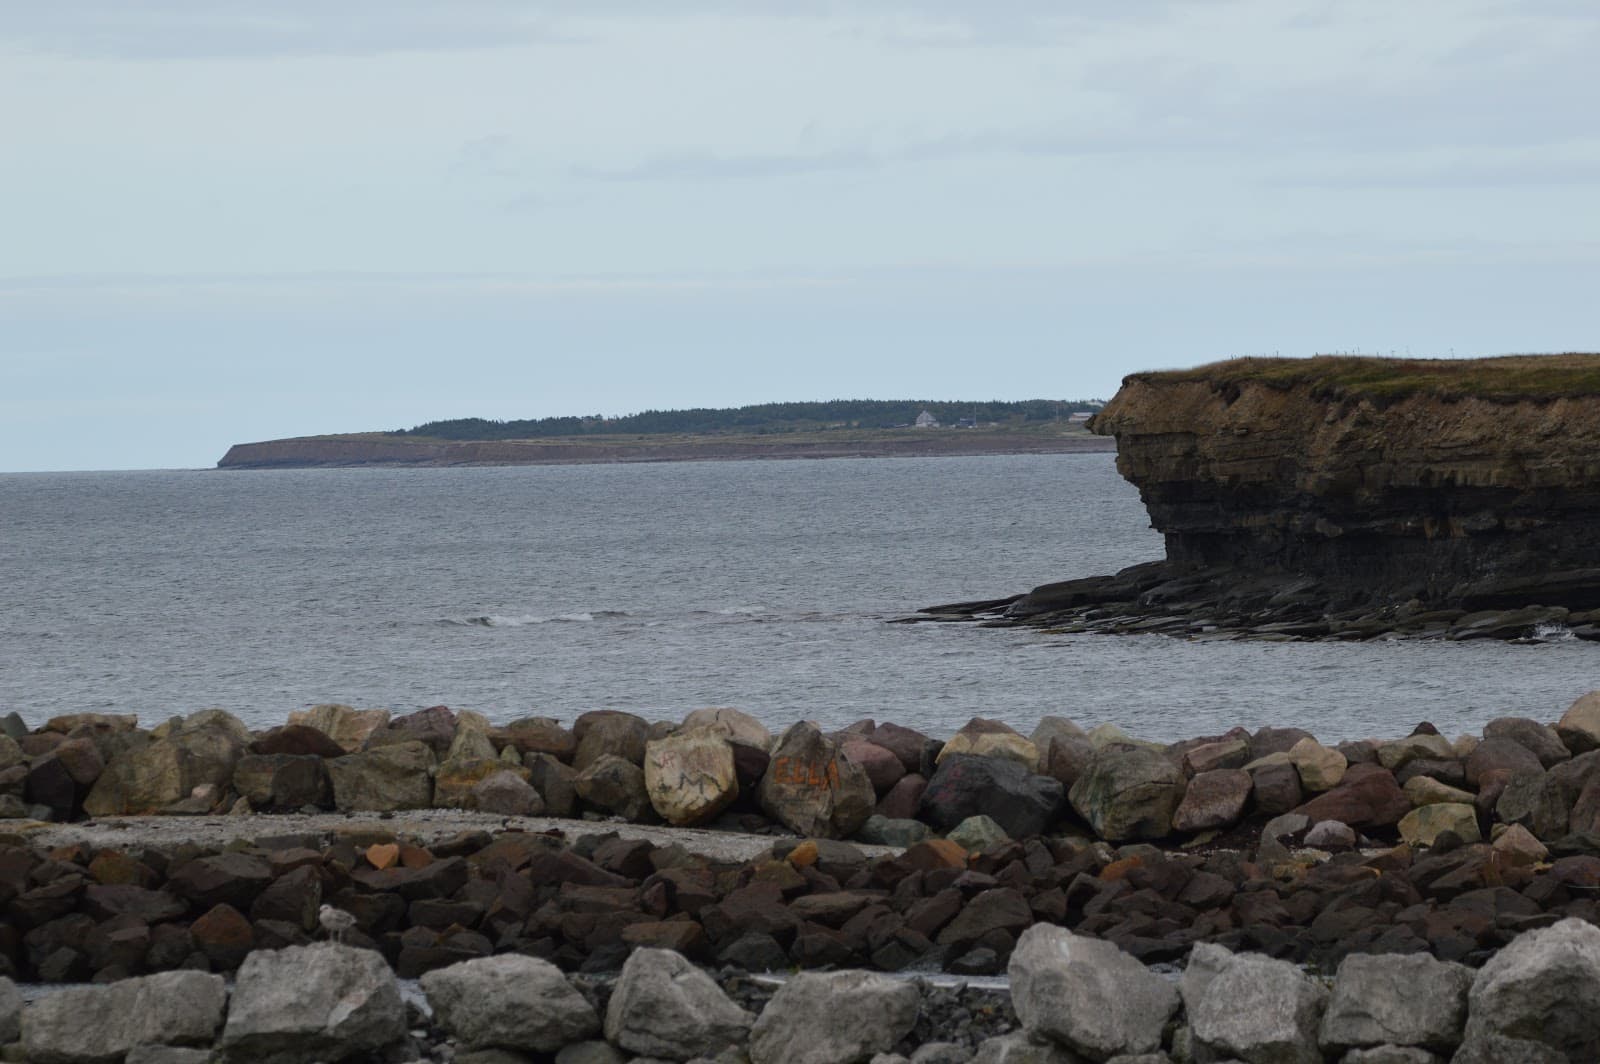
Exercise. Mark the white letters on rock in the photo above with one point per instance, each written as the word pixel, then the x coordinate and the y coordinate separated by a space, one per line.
pixel 322 1002
pixel 90 1024
pixel 834 1018
pixel 665 1007
pixel 511 1002
pixel 1087 994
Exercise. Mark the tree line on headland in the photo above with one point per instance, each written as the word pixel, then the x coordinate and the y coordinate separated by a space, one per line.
pixel 762 418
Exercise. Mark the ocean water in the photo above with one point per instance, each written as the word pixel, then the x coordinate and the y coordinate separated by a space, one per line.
pixel 660 588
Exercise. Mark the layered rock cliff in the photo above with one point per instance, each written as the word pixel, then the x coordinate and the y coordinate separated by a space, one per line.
pixel 1352 496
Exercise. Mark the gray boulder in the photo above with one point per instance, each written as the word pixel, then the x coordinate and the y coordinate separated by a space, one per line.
pixel 615 785
pixel 1018 1048
pixel 1540 991
pixel 834 1018
pixel 10 1011
pixel 90 1024
pixel 322 1002
pixel 1261 1011
pixel 399 776
pixel 663 1006
pixel 511 1002
pixel 1128 794
pixel 1087 994
pixel 1399 1000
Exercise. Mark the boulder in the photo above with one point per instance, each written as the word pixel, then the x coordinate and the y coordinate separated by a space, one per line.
pixel 1393 755
pixel 1022 803
pixel 812 790
pixel 539 735
pixel 1321 768
pixel 1087 995
pixel 1540 990
pixel 883 768
pixel 1543 741
pixel 297 739
pixel 555 782
pixel 1052 727
pixel 1516 846
pixel 1499 754
pixel 10 1012
pixel 282 781
pixel 611 732
pixel 891 831
pixel 189 753
pixel 1064 759
pixel 1261 1011
pixel 1579 726
pixel 1267 741
pixel 346 726
pixel 509 1001
pixel 1275 784
pixel 322 1002
pixel 383 780
pixel 1214 799
pixel 1129 794
pixel 1425 790
pixel 102 1023
pixel 690 778
pixel 506 793
pixel 456 778
pixel 1223 753
pixel 1400 1000
pixel 977 832
pixel 1424 824
pixel 991 738
pixel 1538 802
pixel 472 743
pixel 1368 796
pixel 734 725
pixel 1018 1048
pixel 616 786
pixel 834 1018
pixel 663 1006
pixel 435 727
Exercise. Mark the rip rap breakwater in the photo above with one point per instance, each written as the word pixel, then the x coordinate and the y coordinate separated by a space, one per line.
pixel 1269 841
pixel 1073 999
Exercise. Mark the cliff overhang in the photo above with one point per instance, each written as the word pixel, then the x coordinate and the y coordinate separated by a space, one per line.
pixel 1353 497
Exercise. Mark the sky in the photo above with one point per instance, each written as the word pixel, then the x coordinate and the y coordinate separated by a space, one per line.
pixel 224 221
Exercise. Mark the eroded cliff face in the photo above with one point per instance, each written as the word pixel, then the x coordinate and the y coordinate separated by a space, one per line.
pixel 1350 499
pixel 1461 501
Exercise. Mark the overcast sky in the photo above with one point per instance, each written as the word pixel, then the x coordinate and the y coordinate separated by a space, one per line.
pixel 228 220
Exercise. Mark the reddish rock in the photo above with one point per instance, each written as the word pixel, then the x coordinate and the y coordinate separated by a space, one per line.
pixel 902 800
pixel 883 768
pixel 224 936
pixel 434 727
pixel 1275 786
pixel 231 878
pixel 299 740
pixel 1500 754
pixel 1214 799
pixel 603 732
pixel 538 735
pixel 904 743
pixel 293 898
pixel 1367 797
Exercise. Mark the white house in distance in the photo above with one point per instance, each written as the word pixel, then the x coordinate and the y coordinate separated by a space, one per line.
pixel 926 420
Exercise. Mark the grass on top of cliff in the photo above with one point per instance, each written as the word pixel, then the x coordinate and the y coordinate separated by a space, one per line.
pixel 1509 378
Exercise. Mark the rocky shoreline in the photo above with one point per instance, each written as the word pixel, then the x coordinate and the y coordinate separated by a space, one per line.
pixel 874 847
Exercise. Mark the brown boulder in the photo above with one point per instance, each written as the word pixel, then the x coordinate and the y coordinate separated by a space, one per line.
pixel 1368 796
pixel 539 735
pixel 616 786
pixel 883 768
pixel 608 731
pixel 1214 799
pixel 434 726
pixel 297 739
pixel 224 936
pixel 813 790
pixel 1500 754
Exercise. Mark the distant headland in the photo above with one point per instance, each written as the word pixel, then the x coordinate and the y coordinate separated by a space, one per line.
pixel 856 428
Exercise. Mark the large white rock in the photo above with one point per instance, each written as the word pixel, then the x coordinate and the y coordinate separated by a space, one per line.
pixel 312 1002
pixel 1087 994
pixel 1541 991
pixel 93 1024
pixel 735 725
pixel 1261 1011
pixel 690 778
pixel 663 1006
pixel 1395 999
pixel 511 1002
pixel 834 1018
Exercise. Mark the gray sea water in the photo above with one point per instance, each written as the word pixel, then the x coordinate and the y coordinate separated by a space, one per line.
pixel 658 589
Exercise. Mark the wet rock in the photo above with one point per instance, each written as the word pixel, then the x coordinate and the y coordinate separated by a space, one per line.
pixel 1260 1010
pixel 811 789
pixel 1387 999
pixel 509 1001
pixel 383 780
pixel 169 1008
pixel 347 727
pixel 1128 794
pixel 663 1006
pixel 991 738
pixel 1087 995
pixel 1537 993
pixel 604 732
pixel 690 778
pixel 1424 824
pixel 615 786
pixel 1214 799
pixel 310 1003
pixel 833 1018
